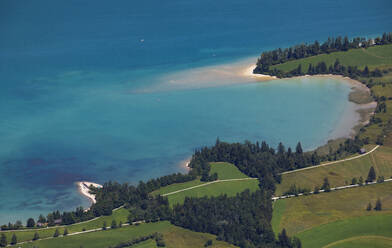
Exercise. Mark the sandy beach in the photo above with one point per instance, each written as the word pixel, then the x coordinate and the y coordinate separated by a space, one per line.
pixel 248 72
pixel 240 72
pixel 84 189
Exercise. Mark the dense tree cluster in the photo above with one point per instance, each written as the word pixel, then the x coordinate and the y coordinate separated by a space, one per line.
pixel 262 161
pixel 255 160
pixel 244 220
pixel 137 199
pixel 279 56
pixel 18 225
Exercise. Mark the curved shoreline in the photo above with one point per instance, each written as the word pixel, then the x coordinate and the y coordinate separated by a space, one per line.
pixel 83 188
pixel 248 72
pixel 364 108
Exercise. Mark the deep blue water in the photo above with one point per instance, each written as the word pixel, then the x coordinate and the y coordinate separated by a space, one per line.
pixel 85 90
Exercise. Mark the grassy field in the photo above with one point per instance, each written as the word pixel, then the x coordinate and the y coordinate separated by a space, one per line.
pixel 377 56
pixel 224 171
pixel 118 215
pixel 146 244
pixel 101 238
pixel 174 237
pixel 340 174
pixel 177 237
pixel 303 213
pixel 353 232
pixel 215 189
pixel 363 242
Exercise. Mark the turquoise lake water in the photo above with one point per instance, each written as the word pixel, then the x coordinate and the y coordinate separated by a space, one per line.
pixel 92 90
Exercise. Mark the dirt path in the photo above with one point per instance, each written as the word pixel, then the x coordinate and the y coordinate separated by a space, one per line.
pixel 332 189
pixel 333 162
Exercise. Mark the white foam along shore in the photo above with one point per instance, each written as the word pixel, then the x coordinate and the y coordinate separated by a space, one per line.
pixel 84 189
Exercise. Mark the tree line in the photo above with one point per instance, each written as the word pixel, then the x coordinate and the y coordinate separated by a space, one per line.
pixel 322 68
pixel 111 196
pixel 279 56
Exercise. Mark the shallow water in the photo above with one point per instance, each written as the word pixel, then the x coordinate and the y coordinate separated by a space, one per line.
pixel 103 91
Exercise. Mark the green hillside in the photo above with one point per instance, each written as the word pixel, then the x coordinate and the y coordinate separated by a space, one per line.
pixel 342 173
pixel 377 56
pixel 225 171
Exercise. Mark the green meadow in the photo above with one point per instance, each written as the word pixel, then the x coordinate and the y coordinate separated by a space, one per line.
pixel 302 213
pixel 340 174
pixel 377 56
pixel 175 237
pixel 230 188
pixel 225 171
pixel 361 232
pixel 118 215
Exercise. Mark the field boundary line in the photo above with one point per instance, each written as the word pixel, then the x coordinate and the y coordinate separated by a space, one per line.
pixel 53 227
pixel 333 162
pixel 205 184
pixel 332 189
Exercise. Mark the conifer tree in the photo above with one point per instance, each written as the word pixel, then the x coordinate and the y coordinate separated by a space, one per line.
pixel 371 175
pixel 114 224
pixel 14 239
pixel 360 181
pixel 30 222
pixel 3 240
pixel 326 186
pixel 56 233
pixel 378 206
pixel 369 207
pixel 36 236
pixel 284 240
pixel 298 148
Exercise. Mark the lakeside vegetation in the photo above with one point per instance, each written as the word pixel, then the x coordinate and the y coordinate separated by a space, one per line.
pixel 240 212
